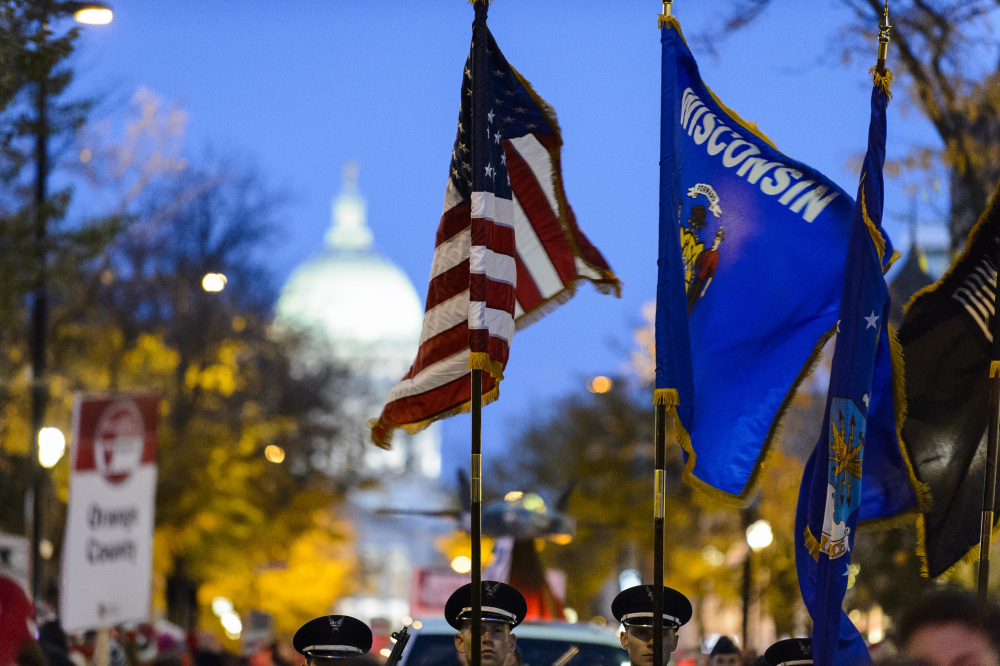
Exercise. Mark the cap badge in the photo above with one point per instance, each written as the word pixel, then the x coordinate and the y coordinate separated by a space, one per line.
pixel 490 588
pixel 335 622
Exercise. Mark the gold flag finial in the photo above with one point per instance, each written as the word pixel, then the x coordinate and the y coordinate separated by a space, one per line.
pixel 883 38
pixel 664 18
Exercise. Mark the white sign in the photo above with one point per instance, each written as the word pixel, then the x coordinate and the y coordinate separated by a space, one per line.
pixel 107 555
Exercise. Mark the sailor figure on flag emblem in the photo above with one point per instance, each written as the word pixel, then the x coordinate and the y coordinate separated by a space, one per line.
pixel 700 264
pixel 847 448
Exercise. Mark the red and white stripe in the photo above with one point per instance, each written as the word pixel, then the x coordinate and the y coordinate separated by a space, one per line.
pixel 492 279
pixel 535 245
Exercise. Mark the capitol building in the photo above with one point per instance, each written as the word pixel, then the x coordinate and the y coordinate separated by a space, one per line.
pixel 355 307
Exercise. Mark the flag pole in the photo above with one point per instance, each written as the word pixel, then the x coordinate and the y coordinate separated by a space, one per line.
pixel 659 482
pixel 659 506
pixel 993 435
pixel 476 398
pixel 477 502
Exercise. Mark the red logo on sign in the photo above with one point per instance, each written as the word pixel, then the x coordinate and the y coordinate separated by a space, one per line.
pixel 118 441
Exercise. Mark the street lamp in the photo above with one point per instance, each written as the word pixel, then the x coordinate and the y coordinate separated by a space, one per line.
pixel 51 447
pixel 759 536
pixel 43 13
pixel 213 282
pixel 94 14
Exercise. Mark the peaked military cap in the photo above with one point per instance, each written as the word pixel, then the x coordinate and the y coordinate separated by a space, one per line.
pixel 333 636
pixel 634 606
pixel 725 645
pixel 500 603
pixel 790 652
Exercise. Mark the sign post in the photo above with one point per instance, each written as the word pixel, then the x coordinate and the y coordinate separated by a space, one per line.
pixel 108 548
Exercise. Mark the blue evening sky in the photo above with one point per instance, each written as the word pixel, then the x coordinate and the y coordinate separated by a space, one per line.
pixel 300 87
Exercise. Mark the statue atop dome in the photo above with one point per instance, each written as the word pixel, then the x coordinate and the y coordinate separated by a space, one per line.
pixel 349 229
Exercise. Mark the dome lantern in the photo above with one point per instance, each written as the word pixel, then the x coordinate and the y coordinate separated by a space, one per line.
pixel 348 228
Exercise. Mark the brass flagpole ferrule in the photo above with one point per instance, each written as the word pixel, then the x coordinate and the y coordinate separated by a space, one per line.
pixel 662 18
pixel 477 477
pixel 883 38
pixel 660 494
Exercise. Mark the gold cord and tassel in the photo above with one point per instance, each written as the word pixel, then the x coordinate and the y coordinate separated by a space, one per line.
pixel 881 74
pixel 664 18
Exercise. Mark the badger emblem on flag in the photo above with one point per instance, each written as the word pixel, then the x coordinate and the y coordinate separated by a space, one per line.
pixel 847 447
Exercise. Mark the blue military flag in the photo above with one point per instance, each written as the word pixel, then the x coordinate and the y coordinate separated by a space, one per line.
pixel 830 497
pixel 751 257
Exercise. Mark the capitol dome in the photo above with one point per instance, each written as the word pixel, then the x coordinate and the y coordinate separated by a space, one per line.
pixel 350 300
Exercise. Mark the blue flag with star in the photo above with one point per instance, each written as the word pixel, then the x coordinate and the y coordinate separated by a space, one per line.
pixel 830 497
pixel 751 259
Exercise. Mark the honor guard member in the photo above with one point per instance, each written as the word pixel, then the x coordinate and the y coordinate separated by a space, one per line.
pixel 331 637
pixel 725 653
pixel 790 652
pixel 634 609
pixel 503 609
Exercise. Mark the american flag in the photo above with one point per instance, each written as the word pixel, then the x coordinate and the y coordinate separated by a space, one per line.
pixel 508 248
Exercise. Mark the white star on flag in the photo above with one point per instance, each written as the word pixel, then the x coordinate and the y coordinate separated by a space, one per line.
pixel 872 319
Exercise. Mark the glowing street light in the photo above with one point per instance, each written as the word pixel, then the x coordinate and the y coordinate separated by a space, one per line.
pixel 232 624
pixel 51 447
pixel 94 15
pixel 599 384
pixel 213 282
pixel 461 564
pixel 759 535
pixel 221 606
pixel 274 453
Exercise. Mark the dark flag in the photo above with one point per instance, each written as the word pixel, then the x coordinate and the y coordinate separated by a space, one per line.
pixel 752 246
pixel 830 497
pixel 947 338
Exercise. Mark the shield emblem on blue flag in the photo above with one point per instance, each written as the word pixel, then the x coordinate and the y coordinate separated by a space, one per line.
pixel 847 448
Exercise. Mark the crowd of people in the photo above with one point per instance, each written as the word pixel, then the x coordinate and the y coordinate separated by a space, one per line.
pixel 949 627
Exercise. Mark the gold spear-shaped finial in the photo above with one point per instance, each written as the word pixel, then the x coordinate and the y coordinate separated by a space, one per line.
pixel 664 18
pixel 883 39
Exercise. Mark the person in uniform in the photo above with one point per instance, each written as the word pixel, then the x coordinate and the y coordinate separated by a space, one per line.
pixel 503 608
pixel 326 639
pixel 725 653
pixel 634 609
pixel 790 652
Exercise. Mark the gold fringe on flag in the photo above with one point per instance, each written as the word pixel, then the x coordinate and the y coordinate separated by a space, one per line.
pixel 812 545
pixel 873 231
pixel 921 490
pixel 482 361
pixel 669 397
pixel 607 282
pixel 994 369
pixel 668 22
pixel 381 433
pixel 882 81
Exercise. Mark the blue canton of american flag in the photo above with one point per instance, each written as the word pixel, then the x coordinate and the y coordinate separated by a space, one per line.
pixel 492 270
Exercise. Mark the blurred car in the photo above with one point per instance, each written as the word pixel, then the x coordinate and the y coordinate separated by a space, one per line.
pixel 540 644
